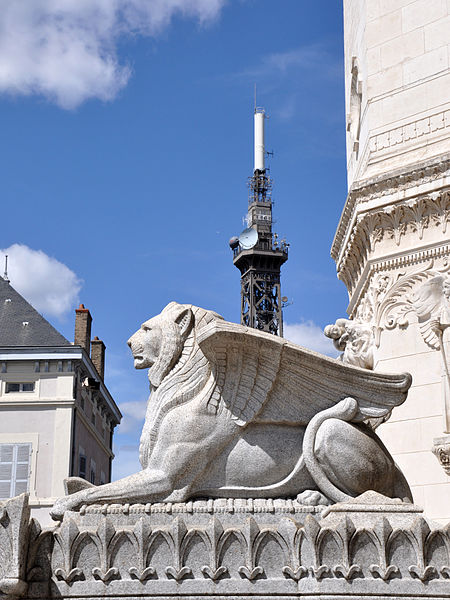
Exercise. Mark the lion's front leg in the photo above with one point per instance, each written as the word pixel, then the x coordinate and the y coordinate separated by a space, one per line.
pixel 141 487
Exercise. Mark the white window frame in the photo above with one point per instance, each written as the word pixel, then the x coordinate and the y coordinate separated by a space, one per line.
pixel 20 384
pixel 82 454
pixel 26 438
pixel 16 378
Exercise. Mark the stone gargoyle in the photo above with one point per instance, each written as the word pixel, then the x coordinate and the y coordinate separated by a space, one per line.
pixel 238 413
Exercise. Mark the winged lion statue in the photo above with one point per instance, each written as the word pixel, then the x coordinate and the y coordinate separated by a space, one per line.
pixel 238 413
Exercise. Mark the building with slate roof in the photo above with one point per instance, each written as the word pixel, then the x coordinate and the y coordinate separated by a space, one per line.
pixel 56 415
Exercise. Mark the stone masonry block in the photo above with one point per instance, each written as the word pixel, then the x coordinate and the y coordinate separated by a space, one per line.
pixel 425 65
pixel 420 13
pixel 402 48
pixel 437 34
pixel 383 29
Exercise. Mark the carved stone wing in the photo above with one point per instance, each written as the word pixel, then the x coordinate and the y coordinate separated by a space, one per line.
pixel 245 364
pixel 268 379
pixel 428 302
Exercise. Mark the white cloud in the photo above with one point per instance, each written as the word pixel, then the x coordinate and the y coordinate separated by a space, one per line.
pixel 133 417
pixel 311 336
pixel 49 285
pixel 66 50
pixel 304 57
pixel 126 462
pixel 283 64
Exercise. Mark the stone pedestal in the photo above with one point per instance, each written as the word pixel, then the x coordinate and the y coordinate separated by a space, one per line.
pixel 372 546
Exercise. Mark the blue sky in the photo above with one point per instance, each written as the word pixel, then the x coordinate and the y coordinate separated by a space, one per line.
pixel 125 150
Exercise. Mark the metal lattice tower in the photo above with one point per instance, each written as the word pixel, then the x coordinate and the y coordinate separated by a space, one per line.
pixel 260 264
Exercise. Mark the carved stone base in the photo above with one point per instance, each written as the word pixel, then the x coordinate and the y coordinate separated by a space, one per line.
pixel 372 546
pixel 441 449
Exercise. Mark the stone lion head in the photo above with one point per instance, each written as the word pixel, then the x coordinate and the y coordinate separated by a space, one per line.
pixel 158 343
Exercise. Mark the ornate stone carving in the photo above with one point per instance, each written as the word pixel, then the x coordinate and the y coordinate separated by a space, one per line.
pixel 387 303
pixel 441 449
pixel 394 222
pixel 234 412
pixel 390 297
pixel 369 546
pixel 410 131
pixel 14 519
pixel 398 181
pixel 355 339
pixel 431 302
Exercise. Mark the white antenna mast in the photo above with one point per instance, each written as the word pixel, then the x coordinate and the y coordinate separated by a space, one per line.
pixel 259 117
pixel 5 274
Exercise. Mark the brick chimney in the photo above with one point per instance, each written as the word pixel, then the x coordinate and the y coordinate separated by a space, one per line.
pixel 83 321
pixel 98 356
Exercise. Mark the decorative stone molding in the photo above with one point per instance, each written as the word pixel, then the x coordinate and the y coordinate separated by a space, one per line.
pixel 414 259
pixel 393 222
pixel 389 299
pixel 410 131
pixel 14 519
pixel 399 180
pixel 441 449
pixel 371 545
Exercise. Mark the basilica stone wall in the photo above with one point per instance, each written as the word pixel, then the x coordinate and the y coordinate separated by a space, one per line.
pixel 397 83
pixel 392 245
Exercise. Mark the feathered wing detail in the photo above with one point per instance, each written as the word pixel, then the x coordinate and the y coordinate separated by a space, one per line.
pixel 244 366
pixel 266 378
pixel 428 302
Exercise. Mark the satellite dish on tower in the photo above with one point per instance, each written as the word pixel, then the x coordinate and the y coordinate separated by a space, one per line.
pixel 248 238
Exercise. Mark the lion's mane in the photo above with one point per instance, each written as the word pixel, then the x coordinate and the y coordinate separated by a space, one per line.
pixel 189 372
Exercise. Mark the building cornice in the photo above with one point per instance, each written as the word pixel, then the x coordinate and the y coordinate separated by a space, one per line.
pixel 62 353
pixel 394 221
pixel 393 263
pixel 38 402
pixel 385 185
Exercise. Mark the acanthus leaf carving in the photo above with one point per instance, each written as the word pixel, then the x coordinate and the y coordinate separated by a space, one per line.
pixel 387 303
pixel 214 532
pixel 250 570
pixel 383 531
pixel 178 531
pixel 393 221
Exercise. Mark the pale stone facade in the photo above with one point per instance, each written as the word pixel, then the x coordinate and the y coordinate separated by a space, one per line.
pixel 56 414
pixel 392 245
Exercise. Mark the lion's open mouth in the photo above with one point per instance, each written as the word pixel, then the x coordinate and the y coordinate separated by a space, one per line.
pixel 140 361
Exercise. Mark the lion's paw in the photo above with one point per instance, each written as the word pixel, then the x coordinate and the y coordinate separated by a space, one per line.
pixel 67 503
pixel 59 508
pixel 313 498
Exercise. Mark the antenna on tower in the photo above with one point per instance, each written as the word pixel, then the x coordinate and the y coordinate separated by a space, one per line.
pixel 5 274
pixel 255 96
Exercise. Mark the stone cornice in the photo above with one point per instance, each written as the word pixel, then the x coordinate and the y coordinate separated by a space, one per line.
pixel 412 215
pixel 392 263
pixel 383 185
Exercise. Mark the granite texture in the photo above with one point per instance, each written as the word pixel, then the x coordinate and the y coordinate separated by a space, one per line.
pixel 371 546
pixel 235 412
pixel 14 539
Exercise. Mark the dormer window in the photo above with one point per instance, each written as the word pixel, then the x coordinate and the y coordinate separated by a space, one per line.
pixel 18 388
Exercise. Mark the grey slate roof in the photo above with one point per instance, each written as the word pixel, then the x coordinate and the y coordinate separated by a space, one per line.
pixel 14 312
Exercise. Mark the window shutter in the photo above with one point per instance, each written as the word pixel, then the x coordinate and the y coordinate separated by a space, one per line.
pixel 22 474
pixel 6 467
pixel 14 469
